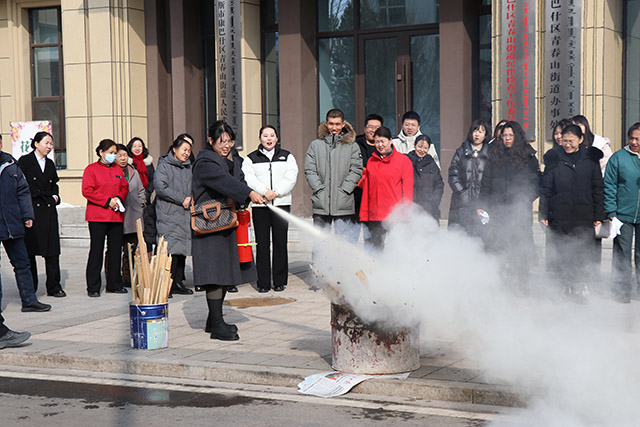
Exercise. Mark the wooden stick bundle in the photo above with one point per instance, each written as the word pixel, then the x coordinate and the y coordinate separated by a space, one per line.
pixel 150 281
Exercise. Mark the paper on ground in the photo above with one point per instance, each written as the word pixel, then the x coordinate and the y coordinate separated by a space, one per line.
pixel 331 384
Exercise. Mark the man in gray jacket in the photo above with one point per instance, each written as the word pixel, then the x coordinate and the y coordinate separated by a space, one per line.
pixel 333 167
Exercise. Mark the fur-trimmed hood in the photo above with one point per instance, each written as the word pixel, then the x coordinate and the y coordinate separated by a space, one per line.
pixel 347 136
pixel 147 160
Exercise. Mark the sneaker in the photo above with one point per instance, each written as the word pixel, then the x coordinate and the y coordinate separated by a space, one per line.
pixel 36 306
pixel 13 339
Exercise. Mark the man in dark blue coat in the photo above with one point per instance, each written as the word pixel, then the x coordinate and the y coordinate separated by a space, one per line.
pixel 16 213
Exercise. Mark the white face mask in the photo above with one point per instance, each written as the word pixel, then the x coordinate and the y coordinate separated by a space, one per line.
pixel 109 158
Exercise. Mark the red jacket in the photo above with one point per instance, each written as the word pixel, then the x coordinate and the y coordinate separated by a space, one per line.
pixel 101 183
pixel 385 182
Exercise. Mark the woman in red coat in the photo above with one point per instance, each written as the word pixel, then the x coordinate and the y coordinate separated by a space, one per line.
pixel 105 188
pixel 386 181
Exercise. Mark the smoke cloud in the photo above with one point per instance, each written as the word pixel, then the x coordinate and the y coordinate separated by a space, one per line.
pixel 578 362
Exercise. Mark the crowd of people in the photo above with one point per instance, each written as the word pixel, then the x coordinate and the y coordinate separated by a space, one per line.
pixel 356 183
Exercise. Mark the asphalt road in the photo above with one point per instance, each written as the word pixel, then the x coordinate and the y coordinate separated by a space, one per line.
pixel 43 402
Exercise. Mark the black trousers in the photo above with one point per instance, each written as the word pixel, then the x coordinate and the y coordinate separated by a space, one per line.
pixel 126 268
pixel 376 235
pixel 177 268
pixel 52 267
pixel 271 227
pixel 113 232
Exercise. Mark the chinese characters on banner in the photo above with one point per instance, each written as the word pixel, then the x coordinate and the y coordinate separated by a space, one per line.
pixel 228 33
pixel 518 63
pixel 562 61
pixel 23 132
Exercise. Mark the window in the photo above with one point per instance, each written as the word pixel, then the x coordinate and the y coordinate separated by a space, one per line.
pixel 47 86
pixel 270 69
pixel 632 64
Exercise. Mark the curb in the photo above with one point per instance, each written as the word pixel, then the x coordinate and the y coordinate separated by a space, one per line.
pixel 451 391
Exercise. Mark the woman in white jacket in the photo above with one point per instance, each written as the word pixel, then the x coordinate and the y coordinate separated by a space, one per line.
pixel 272 172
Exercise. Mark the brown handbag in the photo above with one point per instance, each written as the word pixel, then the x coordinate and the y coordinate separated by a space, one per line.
pixel 213 215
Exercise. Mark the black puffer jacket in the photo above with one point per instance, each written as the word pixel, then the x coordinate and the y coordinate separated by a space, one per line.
pixel 465 176
pixel 572 193
pixel 427 183
pixel 16 206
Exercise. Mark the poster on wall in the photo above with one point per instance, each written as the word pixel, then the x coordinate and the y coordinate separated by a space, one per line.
pixel 518 43
pixel 228 37
pixel 562 54
pixel 23 132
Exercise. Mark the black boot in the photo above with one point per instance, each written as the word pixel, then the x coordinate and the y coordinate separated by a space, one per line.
pixel 180 289
pixel 219 329
pixel 207 326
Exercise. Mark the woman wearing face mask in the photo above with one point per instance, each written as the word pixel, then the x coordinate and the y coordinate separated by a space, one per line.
pixel 43 238
pixel 272 172
pixel 427 180
pixel 105 188
pixel 571 204
pixel 465 177
pixel 386 181
pixel 510 184
pixel 172 182
pixel 216 265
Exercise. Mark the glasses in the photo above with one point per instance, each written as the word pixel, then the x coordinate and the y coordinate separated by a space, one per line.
pixel 227 143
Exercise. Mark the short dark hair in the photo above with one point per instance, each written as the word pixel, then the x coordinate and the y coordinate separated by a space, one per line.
pixel 268 127
pixel 334 113
pixel 104 145
pixel 635 126
pixel 145 151
pixel 574 130
pixel 383 132
pixel 562 124
pixel 423 137
pixel 411 115
pixel 121 147
pixel 374 116
pixel 181 139
pixel 477 124
pixel 37 138
pixel 217 129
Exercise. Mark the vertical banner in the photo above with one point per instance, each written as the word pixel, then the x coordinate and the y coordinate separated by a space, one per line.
pixel 562 61
pixel 228 38
pixel 518 63
pixel 23 132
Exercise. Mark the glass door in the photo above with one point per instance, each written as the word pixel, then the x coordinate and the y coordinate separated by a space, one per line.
pixel 399 72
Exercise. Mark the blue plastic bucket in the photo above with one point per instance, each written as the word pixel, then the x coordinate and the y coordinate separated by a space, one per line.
pixel 149 326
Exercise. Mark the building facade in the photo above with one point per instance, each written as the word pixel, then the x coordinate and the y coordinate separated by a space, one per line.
pixel 156 68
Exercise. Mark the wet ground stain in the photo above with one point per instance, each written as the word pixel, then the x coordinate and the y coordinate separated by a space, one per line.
pixel 120 396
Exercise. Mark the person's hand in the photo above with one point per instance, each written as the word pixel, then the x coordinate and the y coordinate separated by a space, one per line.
pixel 544 222
pixel 113 204
pixel 28 223
pixel 56 198
pixel 596 223
pixel 186 202
pixel 256 198
pixel 480 212
pixel 270 195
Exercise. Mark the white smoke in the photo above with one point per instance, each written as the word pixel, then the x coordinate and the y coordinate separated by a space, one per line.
pixel 578 362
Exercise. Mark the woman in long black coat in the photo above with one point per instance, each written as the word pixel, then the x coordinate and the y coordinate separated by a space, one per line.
pixel 509 186
pixel 465 178
pixel 428 185
pixel 216 265
pixel 571 205
pixel 43 238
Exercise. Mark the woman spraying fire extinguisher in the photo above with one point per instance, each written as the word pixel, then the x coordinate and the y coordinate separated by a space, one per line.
pixel 272 172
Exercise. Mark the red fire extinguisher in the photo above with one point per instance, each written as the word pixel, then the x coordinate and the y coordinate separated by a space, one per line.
pixel 245 253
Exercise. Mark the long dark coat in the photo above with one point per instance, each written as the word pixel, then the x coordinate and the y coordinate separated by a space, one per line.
pixel 427 183
pixel 44 237
pixel 215 255
pixel 465 177
pixel 507 192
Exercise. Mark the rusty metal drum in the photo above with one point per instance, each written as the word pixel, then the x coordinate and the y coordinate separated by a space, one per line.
pixel 362 348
